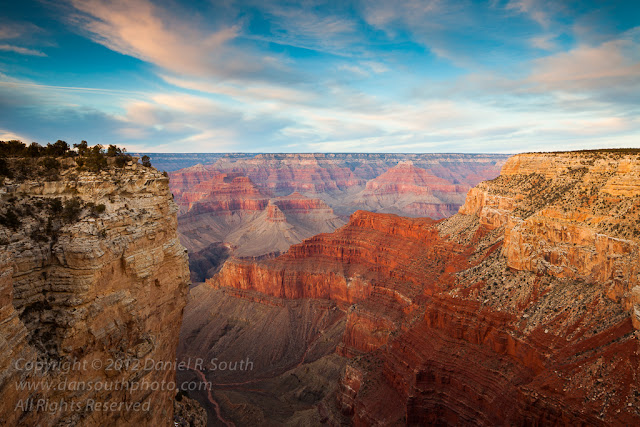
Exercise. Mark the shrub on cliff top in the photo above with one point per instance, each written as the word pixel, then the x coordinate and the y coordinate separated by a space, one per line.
pixel 4 169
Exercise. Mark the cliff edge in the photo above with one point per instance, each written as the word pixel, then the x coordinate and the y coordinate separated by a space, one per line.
pixel 93 282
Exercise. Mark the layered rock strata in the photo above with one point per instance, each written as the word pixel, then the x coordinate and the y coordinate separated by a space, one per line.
pixel 521 309
pixel 230 210
pixel 408 190
pixel 338 178
pixel 86 295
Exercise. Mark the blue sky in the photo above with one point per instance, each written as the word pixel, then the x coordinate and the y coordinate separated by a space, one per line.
pixel 322 76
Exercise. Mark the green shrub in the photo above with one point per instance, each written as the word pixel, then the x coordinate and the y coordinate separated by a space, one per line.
pixel 4 169
pixel 72 209
pixel 113 151
pixel 55 205
pixel 34 150
pixel 122 160
pixel 10 219
pixel 50 163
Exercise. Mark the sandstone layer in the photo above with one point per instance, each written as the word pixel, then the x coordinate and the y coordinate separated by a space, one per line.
pixel 521 309
pixel 106 284
pixel 337 178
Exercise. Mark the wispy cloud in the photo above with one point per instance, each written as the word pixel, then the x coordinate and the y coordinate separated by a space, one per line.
pixel 21 33
pixel 160 36
pixel 538 10
pixel 362 75
pixel 544 42
pixel 21 50
pixel 585 67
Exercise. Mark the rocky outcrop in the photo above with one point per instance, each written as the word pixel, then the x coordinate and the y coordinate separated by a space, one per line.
pixel 232 211
pixel 287 173
pixel 337 178
pixel 521 309
pixel 569 215
pixel 411 191
pixel 93 283
pixel 224 203
pixel 221 193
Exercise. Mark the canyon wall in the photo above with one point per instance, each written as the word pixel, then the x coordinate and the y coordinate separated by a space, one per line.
pixel 257 206
pixel 431 181
pixel 521 309
pixel 92 278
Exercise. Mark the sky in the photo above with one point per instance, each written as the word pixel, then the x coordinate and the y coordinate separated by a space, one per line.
pixel 322 76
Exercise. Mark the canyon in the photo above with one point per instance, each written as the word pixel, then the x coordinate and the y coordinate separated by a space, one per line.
pixel 92 278
pixel 258 206
pixel 522 308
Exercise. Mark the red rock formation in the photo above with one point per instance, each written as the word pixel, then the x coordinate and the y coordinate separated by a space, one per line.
pixel 522 309
pixel 274 214
pixel 406 178
pixel 286 173
pixel 409 190
pixel 296 203
pixel 337 177
pixel 230 209
pixel 221 193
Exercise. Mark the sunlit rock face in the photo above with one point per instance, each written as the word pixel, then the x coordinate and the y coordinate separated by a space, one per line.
pixel 435 181
pixel 229 207
pixel 408 190
pixel 522 308
pixel 102 287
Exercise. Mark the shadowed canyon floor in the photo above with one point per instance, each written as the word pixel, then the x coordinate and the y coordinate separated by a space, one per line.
pixel 524 308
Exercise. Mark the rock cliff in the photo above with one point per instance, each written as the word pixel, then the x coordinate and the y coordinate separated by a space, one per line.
pixel 408 190
pixel 338 178
pixel 229 210
pixel 521 309
pixel 92 277
pixel 222 204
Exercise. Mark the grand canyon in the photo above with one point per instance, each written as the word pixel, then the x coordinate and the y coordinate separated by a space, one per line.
pixel 522 307
pixel 258 206
pixel 357 213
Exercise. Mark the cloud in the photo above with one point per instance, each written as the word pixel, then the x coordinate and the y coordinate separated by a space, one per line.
pixel 382 14
pixel 255 92
pixel 12 30
pixel 24 33
pixel 536 9
pixel 586 67
pixel 312 26
pixel 162 37
pixel 21 50
pixel 232 77
pixel 6 135
pixel 544 42
pixel 354 69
